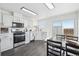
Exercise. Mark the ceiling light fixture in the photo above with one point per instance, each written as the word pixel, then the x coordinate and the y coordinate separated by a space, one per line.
pixel 27 10
pixel 50 5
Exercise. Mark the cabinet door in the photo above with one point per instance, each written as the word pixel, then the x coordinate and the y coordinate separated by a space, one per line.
pixel 6 43
pixel 7 20
pixel 3 44
pixel 27 37
pixel 16 19
pixel 9 44
pixel 21 20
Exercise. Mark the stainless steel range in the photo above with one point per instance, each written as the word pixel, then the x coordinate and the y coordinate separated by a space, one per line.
pixel 19 38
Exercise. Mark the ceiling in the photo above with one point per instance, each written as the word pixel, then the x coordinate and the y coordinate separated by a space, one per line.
pixel 40 8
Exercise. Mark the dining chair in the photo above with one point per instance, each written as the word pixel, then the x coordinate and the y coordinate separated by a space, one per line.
pixel 74 38
pixel 60 37
pixel 54 48
pixel 72 49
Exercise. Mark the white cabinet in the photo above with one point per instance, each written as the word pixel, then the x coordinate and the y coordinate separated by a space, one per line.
pixel 7 20
pixel 31 35
pixel 10 43
pixel 27 37
pixel 25 23
pixel 21 20
pixel 3 43
pixel 18 18
pixel 6 42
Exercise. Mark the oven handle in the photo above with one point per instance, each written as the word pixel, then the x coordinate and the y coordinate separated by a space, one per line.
pixel 18 35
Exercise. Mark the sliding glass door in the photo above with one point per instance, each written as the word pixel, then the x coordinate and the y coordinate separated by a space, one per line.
pixel 63 27
pixel 56 28
pixel 68 27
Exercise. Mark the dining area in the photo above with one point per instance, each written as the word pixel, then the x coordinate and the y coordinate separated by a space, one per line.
pixel 63 45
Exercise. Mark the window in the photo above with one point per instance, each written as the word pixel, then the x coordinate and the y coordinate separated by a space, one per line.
pixel 68 27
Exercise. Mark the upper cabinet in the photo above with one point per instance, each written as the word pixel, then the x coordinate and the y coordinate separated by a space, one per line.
pixel 7 20
pixel 18 18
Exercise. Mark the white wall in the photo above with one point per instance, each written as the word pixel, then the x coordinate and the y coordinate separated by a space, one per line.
pixel 46 26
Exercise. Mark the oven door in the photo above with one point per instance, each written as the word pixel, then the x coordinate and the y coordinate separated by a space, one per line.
pixel 19 38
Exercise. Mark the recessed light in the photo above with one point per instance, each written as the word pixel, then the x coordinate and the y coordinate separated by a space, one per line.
pixel 29 11
pixel 50 5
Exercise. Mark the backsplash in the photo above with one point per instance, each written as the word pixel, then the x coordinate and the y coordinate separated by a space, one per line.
pixel 4 30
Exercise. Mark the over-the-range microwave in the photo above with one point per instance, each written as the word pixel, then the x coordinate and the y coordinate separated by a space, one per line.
pixel 17 25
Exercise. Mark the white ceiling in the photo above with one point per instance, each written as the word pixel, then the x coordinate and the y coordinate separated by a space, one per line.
pixel 40 8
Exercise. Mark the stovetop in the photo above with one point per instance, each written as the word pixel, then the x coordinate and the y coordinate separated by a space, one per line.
pixel 19 33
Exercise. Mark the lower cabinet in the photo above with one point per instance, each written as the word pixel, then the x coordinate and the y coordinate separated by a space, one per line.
pixel 6 43
pixel 3 45
pixel 27 37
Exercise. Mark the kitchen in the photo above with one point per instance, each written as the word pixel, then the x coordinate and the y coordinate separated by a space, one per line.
pixel 13 31
pixel 16 29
